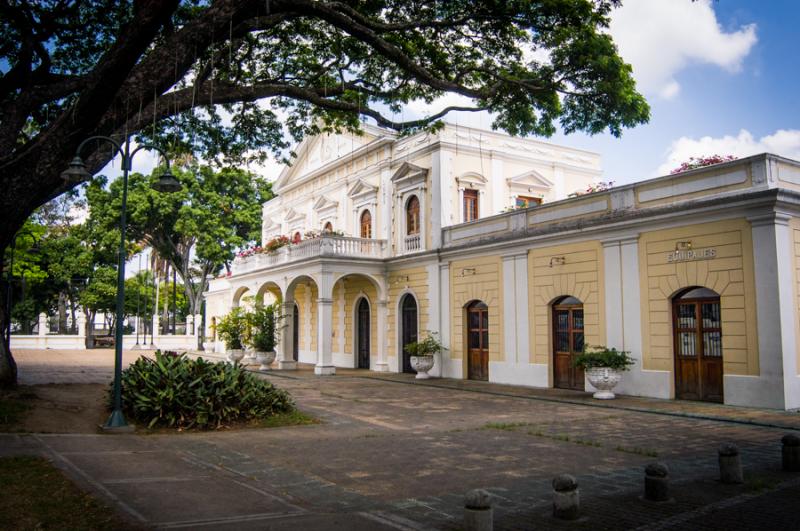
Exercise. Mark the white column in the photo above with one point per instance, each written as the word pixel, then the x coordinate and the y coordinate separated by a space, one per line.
pixel 156 328
pixel 612 265
pixel 509 311
pixel 81 324
pixel 777 385
pixel 189 325
pixel 324 365
pixel 286 351
pixel 199 333
pixel 498 186
pixel 42 324
pixel 523 320
pixel 382 365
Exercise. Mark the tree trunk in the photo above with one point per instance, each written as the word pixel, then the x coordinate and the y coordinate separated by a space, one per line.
pixel 8 367
pixel 62 312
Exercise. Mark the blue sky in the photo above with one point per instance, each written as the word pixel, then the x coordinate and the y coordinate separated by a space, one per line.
pixel 721 77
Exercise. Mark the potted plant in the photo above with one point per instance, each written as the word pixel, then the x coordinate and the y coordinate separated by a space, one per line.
pixel 264 334
pixel 422 352
pixel 603 367
pixel 232 329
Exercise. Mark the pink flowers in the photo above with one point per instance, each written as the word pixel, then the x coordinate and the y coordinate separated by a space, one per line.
pixel 699 162
pixel 593 188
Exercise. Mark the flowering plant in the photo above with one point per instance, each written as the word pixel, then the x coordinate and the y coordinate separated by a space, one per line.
pixel 276 243
pixel 594 188
pixel 249 251
pixel 699 162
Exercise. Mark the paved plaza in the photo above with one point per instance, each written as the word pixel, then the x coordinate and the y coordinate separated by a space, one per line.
pixel 391 453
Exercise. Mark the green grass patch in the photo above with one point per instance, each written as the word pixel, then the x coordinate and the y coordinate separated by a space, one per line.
pixel 505 426
pixel 13 409
pixel 649 452
pixel 36 495
pixel 290 418
pixel 760 484
pixel 565 438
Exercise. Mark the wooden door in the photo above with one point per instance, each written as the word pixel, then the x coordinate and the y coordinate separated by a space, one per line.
pixel 408 332
pixel 697 323
pixel 568 342
pixel 470 205
pixel 478 341
pixel 295 333
pixel 362 337
pixel 366 224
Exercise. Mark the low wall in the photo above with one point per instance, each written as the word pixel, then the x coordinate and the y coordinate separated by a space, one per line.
pixel 78 342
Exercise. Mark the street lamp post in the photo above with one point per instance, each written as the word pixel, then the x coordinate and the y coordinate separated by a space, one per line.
pixel 77 172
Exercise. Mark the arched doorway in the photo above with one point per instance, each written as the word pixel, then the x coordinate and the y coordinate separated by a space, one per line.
pixel 366 224
pixel 328 228
pixel 478 341
pixel 295 332
pixel 568 341
pixel 697 324
pixel 362 334
pixel 408 328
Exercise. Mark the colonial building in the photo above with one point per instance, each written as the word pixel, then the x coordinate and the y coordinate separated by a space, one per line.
pixel 474 235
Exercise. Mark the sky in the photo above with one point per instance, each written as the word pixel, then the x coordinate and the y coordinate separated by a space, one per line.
pixel 721 77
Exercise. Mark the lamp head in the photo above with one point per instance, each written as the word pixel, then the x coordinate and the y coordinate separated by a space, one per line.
pixel 76 172
pixel 167 183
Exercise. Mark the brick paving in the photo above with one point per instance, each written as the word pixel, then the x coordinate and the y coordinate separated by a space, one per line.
pixel 395 454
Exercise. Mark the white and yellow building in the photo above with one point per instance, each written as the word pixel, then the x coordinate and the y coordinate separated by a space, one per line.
pixel 472 235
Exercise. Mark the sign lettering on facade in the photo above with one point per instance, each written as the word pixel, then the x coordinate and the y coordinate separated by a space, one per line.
pixel 689 255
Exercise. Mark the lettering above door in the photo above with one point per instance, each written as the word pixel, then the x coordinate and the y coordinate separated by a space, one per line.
pixel 690 255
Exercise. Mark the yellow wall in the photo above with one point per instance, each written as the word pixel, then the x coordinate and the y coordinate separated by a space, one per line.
pixel 401 281
pixel 484 284
pixel 300 299
pixel 730 274
pixel 580 276
pixel 354 288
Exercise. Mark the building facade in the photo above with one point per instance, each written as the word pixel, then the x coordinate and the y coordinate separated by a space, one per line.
pixel 472 235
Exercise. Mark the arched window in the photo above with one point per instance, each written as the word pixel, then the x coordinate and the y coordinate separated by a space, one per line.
pixel 470 205
pixel 328 227
pixel 297 237
pixel 366 224
pixel 412 216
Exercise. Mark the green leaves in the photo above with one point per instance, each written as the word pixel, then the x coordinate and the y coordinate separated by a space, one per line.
pixel 178 392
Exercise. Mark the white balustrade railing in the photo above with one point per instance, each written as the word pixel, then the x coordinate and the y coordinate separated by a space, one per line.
pixel 412 243
pixel 326 246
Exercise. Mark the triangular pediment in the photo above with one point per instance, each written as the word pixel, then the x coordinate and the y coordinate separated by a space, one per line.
pixel 323 204
pixel 321 150
pixel 531 179
pixel 294 215
pixel 361 188
pixel 409 172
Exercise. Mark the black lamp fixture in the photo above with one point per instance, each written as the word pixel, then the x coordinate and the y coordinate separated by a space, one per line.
pixel 167 183
pixel 76 171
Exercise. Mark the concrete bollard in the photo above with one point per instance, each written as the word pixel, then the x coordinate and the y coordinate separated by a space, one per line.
pixel 656 482
pixel 478 514
pixel 730 465
pixel 791 453
pixel 566 497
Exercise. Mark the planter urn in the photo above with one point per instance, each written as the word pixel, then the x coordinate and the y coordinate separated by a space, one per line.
pixel 265 359
pixel 235 354
pixel 422 364
pixel 604 379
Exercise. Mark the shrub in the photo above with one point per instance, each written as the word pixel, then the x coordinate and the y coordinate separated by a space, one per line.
pixel 426 347
pixel 232 328
pixel 176 391
pixel 600 356
pixel 262 321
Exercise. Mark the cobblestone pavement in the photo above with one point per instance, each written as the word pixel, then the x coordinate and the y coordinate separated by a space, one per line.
pixel 389 455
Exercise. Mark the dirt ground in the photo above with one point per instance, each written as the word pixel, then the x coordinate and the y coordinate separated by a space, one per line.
pixel 62 408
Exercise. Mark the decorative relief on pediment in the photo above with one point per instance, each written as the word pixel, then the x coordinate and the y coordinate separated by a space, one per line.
pixel 530 179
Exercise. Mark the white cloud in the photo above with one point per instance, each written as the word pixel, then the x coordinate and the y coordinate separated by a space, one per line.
pixel 785 142
pixel 661 37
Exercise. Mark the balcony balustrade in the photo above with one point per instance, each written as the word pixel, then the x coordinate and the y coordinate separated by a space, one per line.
pixel 412 243
pixel 323 247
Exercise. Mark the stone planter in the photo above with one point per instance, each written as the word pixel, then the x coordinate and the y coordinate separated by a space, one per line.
pixel 422 364
pixel 250 355
pixel 604 380
pixel 235 354
pixel 265 359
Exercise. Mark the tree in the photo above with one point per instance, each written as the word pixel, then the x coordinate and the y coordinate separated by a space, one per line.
pixel 198 229
pixel 100 296
pixel 168 68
